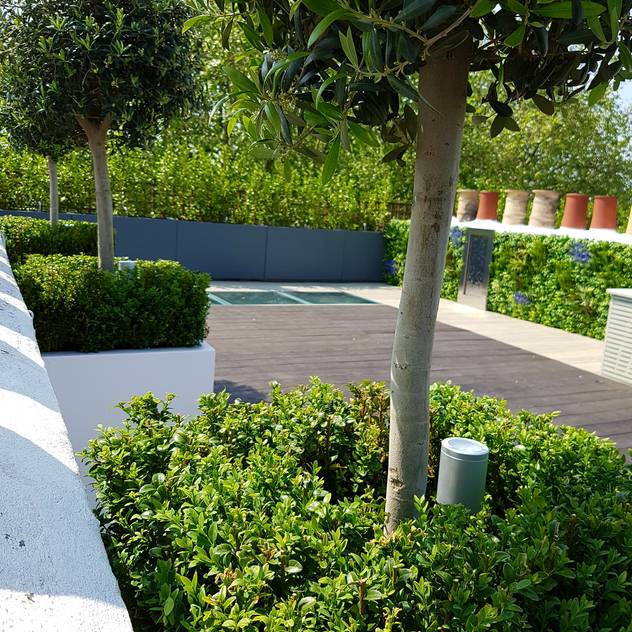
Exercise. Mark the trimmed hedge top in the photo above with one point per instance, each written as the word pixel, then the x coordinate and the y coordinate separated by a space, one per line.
pixel 27 235
pixel 269 517
pixel 78 307
pixel 556 281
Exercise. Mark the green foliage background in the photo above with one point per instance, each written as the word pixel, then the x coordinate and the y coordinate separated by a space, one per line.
pixel 556 281
pixel 196 171
pixel 269 516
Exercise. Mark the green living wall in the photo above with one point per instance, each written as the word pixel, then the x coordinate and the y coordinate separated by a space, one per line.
pixel 556 281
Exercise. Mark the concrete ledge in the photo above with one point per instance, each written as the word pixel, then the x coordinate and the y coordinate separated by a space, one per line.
pixel 90 385
pixel 54 572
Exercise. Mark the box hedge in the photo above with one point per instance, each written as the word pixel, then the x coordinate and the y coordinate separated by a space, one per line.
pixel 269 517
pixel 556 281
pixel 78 307
pixel 27 235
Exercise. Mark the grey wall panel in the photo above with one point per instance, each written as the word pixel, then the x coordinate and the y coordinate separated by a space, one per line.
pixel 363 256
pixel 226 251
pixel 146 238
pixel 304 254
pixel 249 253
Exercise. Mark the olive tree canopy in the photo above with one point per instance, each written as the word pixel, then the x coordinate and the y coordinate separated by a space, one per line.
pixel 327 71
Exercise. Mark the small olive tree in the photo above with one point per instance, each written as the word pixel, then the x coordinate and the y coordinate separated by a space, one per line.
pixel 35 132
pixel 119 69
pixel 329 70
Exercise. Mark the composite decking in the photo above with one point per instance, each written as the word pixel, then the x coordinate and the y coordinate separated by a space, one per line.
pixel 349 343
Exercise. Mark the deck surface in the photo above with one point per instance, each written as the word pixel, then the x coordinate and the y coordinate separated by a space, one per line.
pixel 349 343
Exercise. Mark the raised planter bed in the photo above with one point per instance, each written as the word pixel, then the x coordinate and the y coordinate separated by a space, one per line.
pixel 90 385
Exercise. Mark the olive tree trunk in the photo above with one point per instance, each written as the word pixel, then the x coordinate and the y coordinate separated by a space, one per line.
pixel 443 82
pixel 97 141
pixel 53 191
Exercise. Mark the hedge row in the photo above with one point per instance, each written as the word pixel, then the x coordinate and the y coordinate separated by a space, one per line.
pixel 26 235
pixel 269 517
pixel 78 307
pixel 555 281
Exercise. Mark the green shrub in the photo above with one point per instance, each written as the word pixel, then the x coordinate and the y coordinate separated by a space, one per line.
pixel 78 307
pixel 395 243
pixel 556 281
pixel 27 235
pixel 268 517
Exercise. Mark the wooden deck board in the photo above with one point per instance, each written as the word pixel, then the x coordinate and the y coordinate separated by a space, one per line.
pixel 350 343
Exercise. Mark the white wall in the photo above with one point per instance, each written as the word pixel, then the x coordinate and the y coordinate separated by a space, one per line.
pixel 54 572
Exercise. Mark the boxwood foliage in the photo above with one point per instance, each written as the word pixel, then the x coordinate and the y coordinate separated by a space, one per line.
pixel 78 307
pixel 555 281
pixel 27 235
pixel 269 517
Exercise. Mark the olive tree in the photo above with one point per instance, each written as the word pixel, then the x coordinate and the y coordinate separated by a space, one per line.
pixel 35 132
pixel 326 71
pixel 119 69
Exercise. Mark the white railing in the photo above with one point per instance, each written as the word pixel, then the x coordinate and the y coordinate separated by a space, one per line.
pixel 54 572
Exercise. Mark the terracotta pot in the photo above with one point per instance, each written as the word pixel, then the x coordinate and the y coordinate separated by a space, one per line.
pixel 544 208
pixel 515 206
pixel 488 205
pixel 467 205
pixel 604 212
pixel 575 210
pixel 629 229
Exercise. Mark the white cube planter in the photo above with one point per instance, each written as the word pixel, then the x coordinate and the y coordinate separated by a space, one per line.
pixel 90 385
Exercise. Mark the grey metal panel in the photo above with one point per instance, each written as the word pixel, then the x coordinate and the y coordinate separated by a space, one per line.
pixel 477 257
pixel 226 251
pixel 146 238
pixel 363 256
pixel 304 254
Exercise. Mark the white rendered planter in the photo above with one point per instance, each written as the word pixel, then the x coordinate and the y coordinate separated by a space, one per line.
pixel 90 385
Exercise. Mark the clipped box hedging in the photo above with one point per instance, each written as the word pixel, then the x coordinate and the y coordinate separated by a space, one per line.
pixel 78 307
pixel 27 235
pixel 556 281
pixel 269 517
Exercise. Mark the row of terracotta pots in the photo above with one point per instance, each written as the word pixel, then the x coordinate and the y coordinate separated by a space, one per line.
pixel 484 205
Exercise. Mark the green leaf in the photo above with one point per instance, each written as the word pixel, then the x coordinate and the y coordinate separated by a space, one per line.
pixel 543 104
pixel 594 24
pixel 331 162
pixel 325 23
pixel 443 13
pixel 614 13
pixel 194 21
pixel 625 55
pixel 516 7
pixel 510 124
pixel 597 93
pixel 403 88
pixel 266 26
pixel 564 10
pixel 167 608
pixel 346 41
pixel 240 80
pixel 321 7
pixel 515 38
pixel 497 126
pixel 415 9
pixel 482 7
pixel 363 134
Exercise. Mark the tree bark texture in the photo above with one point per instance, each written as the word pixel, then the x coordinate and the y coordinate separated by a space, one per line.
pixel 53 191
pixel 97 141
pixel 443 82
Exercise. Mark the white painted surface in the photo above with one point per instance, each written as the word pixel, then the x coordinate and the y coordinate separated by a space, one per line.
pixel 622 292
pixel 54 573
pixel 617 357
pixel 577 351
pixel 592 234
pixel 89 386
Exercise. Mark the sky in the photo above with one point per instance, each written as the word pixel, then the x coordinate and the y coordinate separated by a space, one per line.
pixel 625 93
